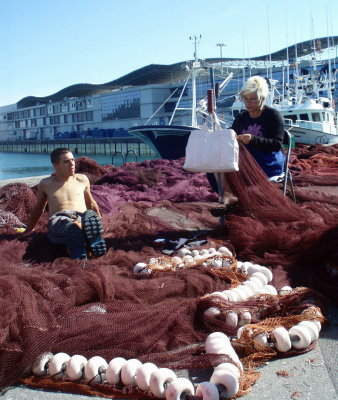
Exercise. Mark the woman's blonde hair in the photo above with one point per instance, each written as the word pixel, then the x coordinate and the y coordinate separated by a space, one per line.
pixel 256 84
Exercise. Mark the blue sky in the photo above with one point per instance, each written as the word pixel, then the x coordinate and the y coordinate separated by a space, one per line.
pixel 47 45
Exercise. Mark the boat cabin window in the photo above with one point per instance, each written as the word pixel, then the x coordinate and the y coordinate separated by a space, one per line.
pixel 292 117
pixel 170 106
pixel 304 117
pixel 178 90
pixel 316 117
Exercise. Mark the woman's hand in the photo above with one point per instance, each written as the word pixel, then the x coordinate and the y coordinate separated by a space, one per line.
pixel 245 138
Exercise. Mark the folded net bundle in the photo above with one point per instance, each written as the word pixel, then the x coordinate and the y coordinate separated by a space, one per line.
pixel 50 303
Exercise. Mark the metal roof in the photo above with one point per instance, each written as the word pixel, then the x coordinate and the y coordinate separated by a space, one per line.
pixel 157 73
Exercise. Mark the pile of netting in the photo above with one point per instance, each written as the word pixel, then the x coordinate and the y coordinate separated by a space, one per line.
pixel 50 303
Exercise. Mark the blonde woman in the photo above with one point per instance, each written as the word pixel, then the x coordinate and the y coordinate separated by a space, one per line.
pixel 261 129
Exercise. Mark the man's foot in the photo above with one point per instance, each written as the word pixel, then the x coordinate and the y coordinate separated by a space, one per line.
pixel 75 241
pixel 92 229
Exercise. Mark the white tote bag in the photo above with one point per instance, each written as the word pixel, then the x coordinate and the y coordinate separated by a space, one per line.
pixel 211 151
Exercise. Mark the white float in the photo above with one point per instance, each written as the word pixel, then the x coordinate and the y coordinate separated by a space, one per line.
pixel 208 391
pixel 128 371
pixel 57 365
pixel 143 375
pixel 159 381
pixel 281 339
pixel 75 367
pixel 179 387
pixel 300 337
pixel 228 380
pixel 40 367
pixel 113 372
pixel 95 370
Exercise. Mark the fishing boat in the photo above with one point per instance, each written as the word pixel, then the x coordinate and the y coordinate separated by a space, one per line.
pixel 309 111
pixel 169 141
pixel 306 103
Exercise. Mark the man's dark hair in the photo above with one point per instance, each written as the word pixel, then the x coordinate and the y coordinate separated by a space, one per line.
pixel 56 154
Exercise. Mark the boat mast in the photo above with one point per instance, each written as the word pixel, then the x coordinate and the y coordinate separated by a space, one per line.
pixel 195 66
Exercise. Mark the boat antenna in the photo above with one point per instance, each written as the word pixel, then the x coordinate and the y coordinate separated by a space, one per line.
pixel 196 39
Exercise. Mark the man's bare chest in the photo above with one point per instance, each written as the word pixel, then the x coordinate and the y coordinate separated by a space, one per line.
pixel 65 191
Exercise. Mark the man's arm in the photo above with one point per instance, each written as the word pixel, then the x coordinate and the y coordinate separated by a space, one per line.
pixel 37 209
pixel 90 202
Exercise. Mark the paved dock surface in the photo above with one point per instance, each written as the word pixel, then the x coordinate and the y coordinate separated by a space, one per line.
pixel 30 181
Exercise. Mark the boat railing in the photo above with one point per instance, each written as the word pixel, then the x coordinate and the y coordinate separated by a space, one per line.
pixel 309 124
pixel 288 122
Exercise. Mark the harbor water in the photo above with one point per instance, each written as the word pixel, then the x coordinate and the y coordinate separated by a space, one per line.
pixel 21 165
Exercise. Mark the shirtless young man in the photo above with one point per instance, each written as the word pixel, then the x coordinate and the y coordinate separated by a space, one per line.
pixel 74 216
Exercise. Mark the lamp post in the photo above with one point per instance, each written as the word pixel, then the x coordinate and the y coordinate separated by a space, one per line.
pixel 221 45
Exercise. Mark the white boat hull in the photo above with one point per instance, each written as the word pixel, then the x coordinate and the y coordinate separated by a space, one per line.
pixel 311 136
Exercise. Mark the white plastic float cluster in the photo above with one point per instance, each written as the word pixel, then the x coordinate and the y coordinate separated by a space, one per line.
pixel 257 283
pixel 161 382
pixel 186 258
pixel 300 336
pixel 259 277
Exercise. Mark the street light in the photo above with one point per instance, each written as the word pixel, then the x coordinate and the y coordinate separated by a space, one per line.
pixel 221 45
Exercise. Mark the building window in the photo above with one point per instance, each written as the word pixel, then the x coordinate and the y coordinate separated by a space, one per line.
pixel 121 105
pixel 80 117
pixel 55 120
pixel 89 116
pixel 56 108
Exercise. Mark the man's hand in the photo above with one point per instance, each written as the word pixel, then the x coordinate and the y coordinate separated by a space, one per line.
pixel 245 138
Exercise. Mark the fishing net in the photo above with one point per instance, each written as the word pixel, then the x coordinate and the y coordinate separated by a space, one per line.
pixel 50 303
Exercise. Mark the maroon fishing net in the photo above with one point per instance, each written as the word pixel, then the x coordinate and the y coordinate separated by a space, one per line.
pixel 50 303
